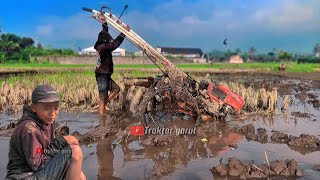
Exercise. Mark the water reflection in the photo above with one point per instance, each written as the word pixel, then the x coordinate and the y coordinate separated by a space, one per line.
pixel 105 155
pixel 133 159
pixel 105 160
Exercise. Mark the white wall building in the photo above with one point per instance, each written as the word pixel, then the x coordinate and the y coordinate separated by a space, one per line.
pixel 90 51
pixel 236 59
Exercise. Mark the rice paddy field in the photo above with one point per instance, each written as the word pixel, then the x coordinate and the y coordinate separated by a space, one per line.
pixel 286 102
pixel 273 67
pixel 79 90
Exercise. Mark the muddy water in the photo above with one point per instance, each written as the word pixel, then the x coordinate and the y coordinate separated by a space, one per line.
pixel 187 157
pixel 134 160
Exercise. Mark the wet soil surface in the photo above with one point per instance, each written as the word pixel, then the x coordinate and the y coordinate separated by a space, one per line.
pixel 236 168
pixel 234 147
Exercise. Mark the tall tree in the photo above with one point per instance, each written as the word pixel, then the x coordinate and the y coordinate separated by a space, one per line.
pixel 275 50
pixel 284 55
pixel 228 53
pixel 271 54
pixel 316 49
pixel 2 57
pixel 25 42
pixel 9 44
pixel 10 37
pixel 39 46
pixel 252 51
pixel 238 51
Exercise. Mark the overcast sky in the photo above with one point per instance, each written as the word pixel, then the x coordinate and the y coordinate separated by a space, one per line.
pixel 292 25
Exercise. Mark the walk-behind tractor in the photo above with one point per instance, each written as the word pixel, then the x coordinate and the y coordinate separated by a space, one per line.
pixel 174 91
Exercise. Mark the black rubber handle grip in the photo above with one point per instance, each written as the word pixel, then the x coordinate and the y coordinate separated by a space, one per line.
pixel 87 9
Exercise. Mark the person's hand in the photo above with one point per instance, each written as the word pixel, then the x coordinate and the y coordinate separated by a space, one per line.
pixel 102 18
pixel 122 35
pixel 71 140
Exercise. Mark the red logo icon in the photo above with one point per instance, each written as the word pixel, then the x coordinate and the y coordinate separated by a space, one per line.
pixel 39 150
pixel 137 130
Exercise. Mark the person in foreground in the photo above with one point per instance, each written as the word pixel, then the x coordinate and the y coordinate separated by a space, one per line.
pixel 35 153
pixel 104 46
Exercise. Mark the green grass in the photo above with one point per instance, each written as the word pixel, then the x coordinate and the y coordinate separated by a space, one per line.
pixel 31 65
pixel 64 77
pixel 208 66
pixel 272 66
pixel 304 67
pixel 291 67
pixel 135 66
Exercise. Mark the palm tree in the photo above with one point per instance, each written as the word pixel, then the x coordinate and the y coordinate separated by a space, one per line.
pixel 2 57
pixel 275 50
pixel 9 44
pixel 252 51
pixel 238 51
pixel 316 49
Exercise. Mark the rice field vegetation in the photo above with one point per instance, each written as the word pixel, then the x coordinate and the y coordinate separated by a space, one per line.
pixel 78 91
pixel 268 67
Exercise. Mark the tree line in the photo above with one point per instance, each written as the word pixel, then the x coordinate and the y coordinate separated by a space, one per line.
pixel 275 55
pixel 14 48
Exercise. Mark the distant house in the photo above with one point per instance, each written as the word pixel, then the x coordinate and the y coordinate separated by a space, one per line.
pixel 119 52
pixel 90 51
pixel 182 52
pixel 236 59
pixel 138 53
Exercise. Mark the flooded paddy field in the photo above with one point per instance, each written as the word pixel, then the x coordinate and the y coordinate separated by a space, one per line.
pixel 110 153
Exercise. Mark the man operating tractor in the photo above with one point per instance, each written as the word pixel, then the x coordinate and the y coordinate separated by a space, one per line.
pixel 104 46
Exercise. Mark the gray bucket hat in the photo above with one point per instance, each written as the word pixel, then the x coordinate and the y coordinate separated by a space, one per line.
pixel 44 93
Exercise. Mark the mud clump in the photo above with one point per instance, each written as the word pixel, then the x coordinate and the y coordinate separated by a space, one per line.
pixel 249 132
pixel 7 131
pixel 305 140
pixel 208 128
pixel 220 170
pixel 247 129
pixel 161 170
pixel 65 131
pixel 236 168
pixel 304 86
pixel 315 103
pixel 285 89
pixel 262 136
pixel 77 134
pixel 312 96
pixel 302 96
pixel 301 115
pixel 304 144
pixel 158 140
pixel 279 137
pixel 11 125
pixel 99 132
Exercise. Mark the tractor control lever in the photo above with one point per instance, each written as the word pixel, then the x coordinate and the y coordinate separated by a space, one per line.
pixel 106 7
pixel 125 7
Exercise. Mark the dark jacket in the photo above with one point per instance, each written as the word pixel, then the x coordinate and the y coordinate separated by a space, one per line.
pixel 105 45
pixel 32 144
